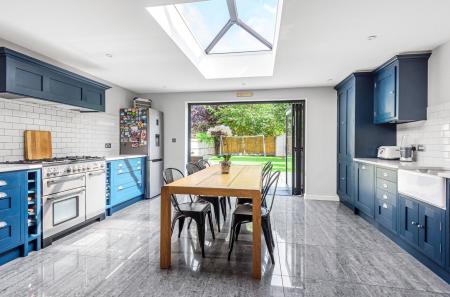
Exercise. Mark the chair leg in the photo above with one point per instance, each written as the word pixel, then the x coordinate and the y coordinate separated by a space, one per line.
pixel 271 231
pixel 238 230
pixel 232 239
pixel 231 232
pixel 229 202
pixel 174 220
pixel 223 207
pixel 201 232
pixel 180 226
pixel 217 213
pixel 189 225
pixel 211 226
pixel 265 228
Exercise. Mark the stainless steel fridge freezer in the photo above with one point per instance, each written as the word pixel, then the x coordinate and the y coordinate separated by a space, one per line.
pixel 141 134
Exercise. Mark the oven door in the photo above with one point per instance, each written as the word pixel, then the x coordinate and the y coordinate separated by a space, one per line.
pixel 63 183
pixel 63 210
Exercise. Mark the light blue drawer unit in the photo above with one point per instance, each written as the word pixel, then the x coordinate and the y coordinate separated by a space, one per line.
pixel 125 183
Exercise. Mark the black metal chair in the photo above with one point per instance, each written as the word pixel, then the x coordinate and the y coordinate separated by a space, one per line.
pixel 243 215
pixel 216 202
pixel 265 174
pixel 194 210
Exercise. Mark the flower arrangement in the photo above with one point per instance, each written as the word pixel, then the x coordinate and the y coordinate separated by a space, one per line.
pixel 225 164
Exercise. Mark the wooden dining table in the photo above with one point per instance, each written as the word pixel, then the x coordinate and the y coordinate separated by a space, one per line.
pixel 241 181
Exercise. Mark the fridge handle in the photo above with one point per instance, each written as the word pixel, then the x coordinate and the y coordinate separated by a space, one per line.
pixel 156 160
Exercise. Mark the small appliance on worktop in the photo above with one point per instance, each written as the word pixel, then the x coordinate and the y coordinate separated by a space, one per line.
pixel 388 152
pixel 141 134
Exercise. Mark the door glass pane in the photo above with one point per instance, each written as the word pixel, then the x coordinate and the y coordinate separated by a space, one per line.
pixel 65 210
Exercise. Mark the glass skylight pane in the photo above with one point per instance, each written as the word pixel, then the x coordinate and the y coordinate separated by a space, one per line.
pixel 204 19
pixel 238 40
pixel 260 15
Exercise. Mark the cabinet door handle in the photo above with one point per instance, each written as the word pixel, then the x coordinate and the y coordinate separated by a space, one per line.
pixel 385 205
pixel 3 224
pixel 385 174
pixel 385 186
pixel 120 188
pixel 385 197
pixel 420 226
pixel 3 195
pixel 342 178
pixel 363 167
pixel 3 183
pixel 413 223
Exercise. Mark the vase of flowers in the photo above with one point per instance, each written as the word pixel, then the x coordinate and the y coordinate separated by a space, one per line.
pixel 225 164
pixel 216 133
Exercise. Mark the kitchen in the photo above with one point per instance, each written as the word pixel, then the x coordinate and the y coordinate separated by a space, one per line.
pixel 84 121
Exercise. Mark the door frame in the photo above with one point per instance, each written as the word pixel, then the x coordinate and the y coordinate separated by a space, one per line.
pixel 303 129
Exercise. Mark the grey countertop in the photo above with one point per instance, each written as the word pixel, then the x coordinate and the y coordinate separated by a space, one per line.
pixel 18 167
pixel 122 157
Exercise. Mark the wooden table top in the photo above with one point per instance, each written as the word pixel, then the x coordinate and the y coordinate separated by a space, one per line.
pixel 241 177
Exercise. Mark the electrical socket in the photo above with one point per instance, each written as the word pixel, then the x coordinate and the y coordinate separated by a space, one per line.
pixel 107 145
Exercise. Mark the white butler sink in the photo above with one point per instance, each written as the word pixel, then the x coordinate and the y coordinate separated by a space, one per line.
pixel 423 185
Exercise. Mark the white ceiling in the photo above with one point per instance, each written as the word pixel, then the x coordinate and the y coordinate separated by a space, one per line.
pixel 319 40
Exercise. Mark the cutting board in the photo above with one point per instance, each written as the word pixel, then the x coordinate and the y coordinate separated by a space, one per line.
pixel 38 145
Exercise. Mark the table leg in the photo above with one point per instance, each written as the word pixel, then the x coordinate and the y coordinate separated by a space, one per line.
pixel 166 233
pixel 256 268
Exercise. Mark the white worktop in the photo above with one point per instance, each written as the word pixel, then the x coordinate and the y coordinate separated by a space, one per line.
pixel 18 167
pixel 122 157
pixel 394 164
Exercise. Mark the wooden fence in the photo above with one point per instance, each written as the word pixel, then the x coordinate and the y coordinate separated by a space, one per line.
pixel 249 145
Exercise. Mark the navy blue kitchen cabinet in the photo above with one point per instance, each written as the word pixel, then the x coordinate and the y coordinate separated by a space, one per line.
pixel 400 89
pixel 386 198
pixel 23 76
pixel 422 226
pixel 125 183
pixel 358 136
pixel 365 189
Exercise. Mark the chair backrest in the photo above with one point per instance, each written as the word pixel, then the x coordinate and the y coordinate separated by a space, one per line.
pixel 265 174
pixel 265 195
pixel 202 164
pixel 169 176
pixel 192 168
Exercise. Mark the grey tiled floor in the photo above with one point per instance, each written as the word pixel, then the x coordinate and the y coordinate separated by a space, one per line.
pixel 322 250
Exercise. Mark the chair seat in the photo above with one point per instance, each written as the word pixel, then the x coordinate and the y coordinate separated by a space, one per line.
pixel 247 210
pixel 194 207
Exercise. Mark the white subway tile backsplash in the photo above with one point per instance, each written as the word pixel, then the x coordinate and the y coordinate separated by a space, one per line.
pixel 434 134
pixel 73 133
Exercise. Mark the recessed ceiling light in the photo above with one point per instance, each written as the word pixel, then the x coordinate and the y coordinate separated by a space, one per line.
pixel 372 37
pixel 108 55
pixel 244 84
pixel 330 79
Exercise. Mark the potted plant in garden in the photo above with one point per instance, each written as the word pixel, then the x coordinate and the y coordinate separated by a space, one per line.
pixel 216 133
pixel 225 164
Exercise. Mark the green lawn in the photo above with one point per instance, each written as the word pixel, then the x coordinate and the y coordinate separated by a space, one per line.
pixel 279 163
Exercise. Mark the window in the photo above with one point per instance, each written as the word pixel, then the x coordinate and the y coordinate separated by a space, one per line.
pixel 231 26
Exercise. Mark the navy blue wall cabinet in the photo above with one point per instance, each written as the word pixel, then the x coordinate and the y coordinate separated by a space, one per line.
pixel 422 226
pixel 400 89
pixel 24 76
pixel 125 183
pixel 358 136
pixel 365 189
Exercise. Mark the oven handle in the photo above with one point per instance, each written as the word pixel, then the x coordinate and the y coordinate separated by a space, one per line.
pixel 96 173
pixel 64 195
pixel 58 181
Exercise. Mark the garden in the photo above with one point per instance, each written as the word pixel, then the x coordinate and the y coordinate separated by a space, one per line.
pixel 251 133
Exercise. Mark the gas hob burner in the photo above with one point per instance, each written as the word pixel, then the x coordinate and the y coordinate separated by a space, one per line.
pixel 58 160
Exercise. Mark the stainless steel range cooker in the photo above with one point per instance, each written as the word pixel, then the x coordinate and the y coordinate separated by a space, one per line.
pixel 73 194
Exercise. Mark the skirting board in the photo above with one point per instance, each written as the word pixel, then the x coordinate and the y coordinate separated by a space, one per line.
pixel 321 197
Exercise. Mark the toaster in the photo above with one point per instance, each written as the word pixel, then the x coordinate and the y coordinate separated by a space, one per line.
pixel 389 152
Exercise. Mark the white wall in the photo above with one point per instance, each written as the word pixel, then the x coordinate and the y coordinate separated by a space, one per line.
pixel 434 133
pixel 72 132
pixel 320 171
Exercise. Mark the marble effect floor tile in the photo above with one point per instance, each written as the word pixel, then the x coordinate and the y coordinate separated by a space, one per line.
pixel 322 249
